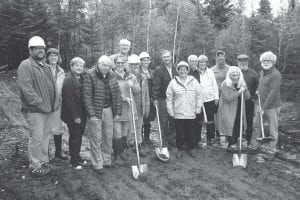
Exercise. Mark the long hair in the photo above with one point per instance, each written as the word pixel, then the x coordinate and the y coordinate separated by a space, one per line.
pixel 228 80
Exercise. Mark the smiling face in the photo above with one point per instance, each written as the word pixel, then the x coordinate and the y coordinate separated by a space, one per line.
pixel 124 48
pixel 53 58
pixel 166 57
pixel 182 71
pixel 104 68
pixel 220 60
pixel 234 76
pixel 145 62
pixel 243 64
pixel 135 68
pixel 77 68
pixel 193 62
pixel 120 66
pixel 37 52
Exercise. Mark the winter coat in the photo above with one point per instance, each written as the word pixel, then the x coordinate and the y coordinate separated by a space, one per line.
pixel 251 79
pixel 161 80
pixel 60 77
pixel 269 88
pixel 228 108
pixel 152 110
pixel 72 100
pixel 209 85
pixel 34 89
pixel 93 93
pixel 184 100
pixel 125 93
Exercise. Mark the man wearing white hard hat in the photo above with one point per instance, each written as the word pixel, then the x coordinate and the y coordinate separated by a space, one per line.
pixel 39 99
pixel 103 103
pixel 124 47
pixel 147 73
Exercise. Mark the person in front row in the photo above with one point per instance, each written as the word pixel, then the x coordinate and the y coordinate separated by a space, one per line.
pixel 72 110
pixel 184 101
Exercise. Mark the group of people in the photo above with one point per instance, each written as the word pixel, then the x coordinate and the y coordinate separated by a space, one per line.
pixel 105 99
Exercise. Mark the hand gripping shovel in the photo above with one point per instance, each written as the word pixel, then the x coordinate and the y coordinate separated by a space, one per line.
pixel 161 152
pixel 139 169
pixel 262 139
pixel 240 159
pixel 205 117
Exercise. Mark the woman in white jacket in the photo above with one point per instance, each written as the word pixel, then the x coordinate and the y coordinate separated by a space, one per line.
pixel 184 101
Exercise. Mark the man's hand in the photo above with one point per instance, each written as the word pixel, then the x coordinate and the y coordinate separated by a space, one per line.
pixel 155 102
pixel 216 102
pixel 117 117
pixel 77 121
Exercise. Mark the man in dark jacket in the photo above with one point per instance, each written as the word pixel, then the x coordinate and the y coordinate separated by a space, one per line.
pixel 72 109
pixel 103 101
pixel 251 79
pixel 162 76
pixel 39 99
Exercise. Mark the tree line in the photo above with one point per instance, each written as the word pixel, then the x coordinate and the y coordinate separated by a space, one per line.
pixel 90 28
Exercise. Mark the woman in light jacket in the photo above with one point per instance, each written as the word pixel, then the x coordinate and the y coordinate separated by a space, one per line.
pixel 184 101
pixel 53 59
pixel 230 105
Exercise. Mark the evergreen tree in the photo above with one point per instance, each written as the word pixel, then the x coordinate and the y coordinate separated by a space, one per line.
pixel 265 8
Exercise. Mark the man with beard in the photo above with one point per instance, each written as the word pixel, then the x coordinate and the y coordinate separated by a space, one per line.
pixel 162 76
pixel 220 70
pixel 39 99
pixel 251 79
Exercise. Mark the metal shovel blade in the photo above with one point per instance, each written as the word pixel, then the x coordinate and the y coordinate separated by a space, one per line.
pixel 264 139
pixel 162 153
pixel 239 160
pixel 136 171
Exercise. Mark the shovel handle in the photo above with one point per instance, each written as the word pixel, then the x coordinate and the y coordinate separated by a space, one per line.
pixel 204 114
pixel 134 128
pixel 159 128
pixel 241 120
pixel 261 117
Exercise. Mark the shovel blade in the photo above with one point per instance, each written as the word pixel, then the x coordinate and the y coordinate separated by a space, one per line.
pixel 162 153
pixel 235 160
pixel 135 172
pixel 243 160
pixel 144 168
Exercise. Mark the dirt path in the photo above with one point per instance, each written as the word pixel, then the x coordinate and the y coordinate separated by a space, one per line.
pixel 209 176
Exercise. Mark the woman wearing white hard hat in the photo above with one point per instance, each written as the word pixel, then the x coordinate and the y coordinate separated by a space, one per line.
pixel 147 73
pixel 184 101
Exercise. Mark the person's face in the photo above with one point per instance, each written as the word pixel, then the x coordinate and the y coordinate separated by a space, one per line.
pixel 120 66
pixel 38 52
pixel 220 60
pixel 193 63
pixel 135 68
pixel 104 68
pixel 124 48
pixel 234 76
pixel 267 64
pixel 243 64
pixel 77 68
pixel 202 64
pixel 53 58
pixel 166 58
pixel 182 71
pixel 145 62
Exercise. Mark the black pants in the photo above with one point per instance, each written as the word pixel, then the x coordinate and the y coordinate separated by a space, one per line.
pixel 236 127
pixel 75 139
pixel 185 133
pixel 249 105
pixel 210 128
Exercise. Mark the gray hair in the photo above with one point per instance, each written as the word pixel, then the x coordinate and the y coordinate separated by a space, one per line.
pixel 268 55
pixel 191 57
pixel 203 57
pixel 125 41
pixel 76 60
pixel 165 51
pixel 105 60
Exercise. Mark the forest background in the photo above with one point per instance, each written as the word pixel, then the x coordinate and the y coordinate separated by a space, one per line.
pixel 91 28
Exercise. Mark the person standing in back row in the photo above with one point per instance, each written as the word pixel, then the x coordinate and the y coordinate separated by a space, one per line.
pixel 251 79
pixel 162 76
pixel 220 70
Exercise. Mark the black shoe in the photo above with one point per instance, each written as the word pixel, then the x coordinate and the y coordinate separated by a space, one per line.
pixel 60 156
pixel 99 171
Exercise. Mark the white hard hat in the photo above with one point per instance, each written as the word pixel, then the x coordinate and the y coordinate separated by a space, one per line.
pixel 144 55
pixel 182 64
pixel 36 41
pixel 133 59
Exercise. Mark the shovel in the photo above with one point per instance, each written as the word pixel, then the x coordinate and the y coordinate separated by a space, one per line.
pixel 262 139
pixel 205 117
pixel 161 152
pixel 139 169
pixel 240 159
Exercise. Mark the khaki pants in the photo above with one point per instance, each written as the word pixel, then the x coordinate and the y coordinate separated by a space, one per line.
pixel 39 135
pixel 101 134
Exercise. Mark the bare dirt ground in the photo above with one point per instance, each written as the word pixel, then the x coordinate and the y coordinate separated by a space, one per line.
pixel 209 176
